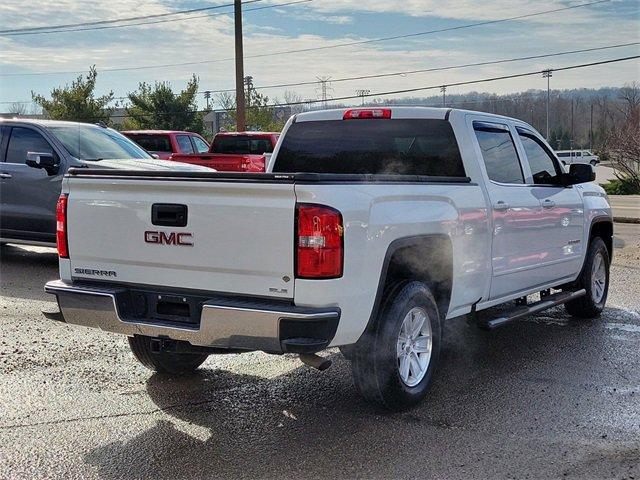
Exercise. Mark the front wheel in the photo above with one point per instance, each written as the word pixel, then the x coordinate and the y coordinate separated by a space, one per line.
pixel 394 362
pixel 595 280
pixel 164 362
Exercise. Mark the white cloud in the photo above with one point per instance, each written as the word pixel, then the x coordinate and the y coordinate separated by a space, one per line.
pixel 212 38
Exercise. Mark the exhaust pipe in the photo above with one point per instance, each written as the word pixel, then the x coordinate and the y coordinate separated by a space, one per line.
pixel 315 361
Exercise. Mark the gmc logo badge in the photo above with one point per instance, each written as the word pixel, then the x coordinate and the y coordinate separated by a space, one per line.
pixel 174 238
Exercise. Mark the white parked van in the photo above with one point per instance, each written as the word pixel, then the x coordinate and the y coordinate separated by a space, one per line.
pixel 567 157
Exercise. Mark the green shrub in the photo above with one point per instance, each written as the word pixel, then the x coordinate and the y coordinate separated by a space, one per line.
pixel 622 186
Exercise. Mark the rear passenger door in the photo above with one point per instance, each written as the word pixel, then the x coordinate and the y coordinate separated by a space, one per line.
pixel 518 242
pixel 562 215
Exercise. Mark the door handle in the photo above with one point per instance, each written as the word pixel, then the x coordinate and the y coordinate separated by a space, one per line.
pixel 5 175
pixel 548 204
pixel 501 206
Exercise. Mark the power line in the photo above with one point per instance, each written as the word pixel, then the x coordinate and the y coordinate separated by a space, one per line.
pixel 161 21
pixel 409 72
pixel 325 47
pixel 430 87
pixel 439 69
pixel 469 82
pixel 118 20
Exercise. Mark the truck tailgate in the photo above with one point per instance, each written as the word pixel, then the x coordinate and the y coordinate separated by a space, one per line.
pixel 241 233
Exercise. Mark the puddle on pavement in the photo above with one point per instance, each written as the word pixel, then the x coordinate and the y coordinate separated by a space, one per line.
pixel 625 327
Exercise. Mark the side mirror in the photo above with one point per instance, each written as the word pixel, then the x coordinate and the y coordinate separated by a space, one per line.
pixel 155 155
pixel 579 173
pixel 45 160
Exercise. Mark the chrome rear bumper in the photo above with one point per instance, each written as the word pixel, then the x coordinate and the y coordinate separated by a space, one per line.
pixel 223 322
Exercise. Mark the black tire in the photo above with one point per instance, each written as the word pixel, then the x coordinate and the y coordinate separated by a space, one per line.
pixel 592 304
pixel 375 363
pixel 164 362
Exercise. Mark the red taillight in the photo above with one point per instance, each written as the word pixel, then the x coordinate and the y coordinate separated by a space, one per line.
pixel 361 113
pixel 61 226
pixel 319 241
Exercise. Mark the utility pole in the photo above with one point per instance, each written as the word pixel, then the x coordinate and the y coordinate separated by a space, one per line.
pixel 207 96
pixel 547 74
pixel 572 129
pixel 591 128
pixel 363 93
pixel 241 116
pixel 443 89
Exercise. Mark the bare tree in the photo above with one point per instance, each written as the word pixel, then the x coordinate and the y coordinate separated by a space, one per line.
pixel 622 145
pixel 18 109
pixel 630 98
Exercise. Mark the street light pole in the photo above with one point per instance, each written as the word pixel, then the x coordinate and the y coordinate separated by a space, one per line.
pixel 241 118
pixel 363 93
pixel 547 74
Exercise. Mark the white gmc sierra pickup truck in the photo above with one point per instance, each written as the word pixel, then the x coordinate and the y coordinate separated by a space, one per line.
pixel 370 229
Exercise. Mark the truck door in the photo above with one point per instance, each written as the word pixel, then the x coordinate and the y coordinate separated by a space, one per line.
pixel 562 214
pixel 518 239
pixel 28 195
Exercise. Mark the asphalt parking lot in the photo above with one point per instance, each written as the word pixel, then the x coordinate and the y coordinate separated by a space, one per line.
pixel 544 398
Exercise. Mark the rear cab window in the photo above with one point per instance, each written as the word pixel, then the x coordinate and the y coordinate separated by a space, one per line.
pixel 499 153
pixel 242 144
pixel 371 146
pixel 153 143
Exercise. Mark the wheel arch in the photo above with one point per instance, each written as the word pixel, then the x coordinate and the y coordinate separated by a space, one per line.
pixel 602 227
pixel 426 258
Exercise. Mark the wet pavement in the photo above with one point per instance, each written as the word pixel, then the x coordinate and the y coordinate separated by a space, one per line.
pixel 548 397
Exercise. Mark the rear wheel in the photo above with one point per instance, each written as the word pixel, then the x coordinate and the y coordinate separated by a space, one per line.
pixel 164 362
pixel 394 363
pixel 595 280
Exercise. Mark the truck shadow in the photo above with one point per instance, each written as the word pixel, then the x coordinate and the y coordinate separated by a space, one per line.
pixel 25 270
pixel 311 424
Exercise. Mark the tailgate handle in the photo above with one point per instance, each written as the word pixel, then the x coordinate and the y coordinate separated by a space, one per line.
pixel 169 215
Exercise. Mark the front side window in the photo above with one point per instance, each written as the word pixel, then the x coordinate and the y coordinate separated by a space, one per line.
pixel 371 146
pixel 499 153
pixel 184 143
pixel 23 140
pixel 543 167
pixel 201 145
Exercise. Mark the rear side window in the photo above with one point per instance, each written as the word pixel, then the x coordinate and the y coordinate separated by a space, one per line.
pixel 543 167
pixel 23 140
pixel 371 146
pixel 241 145
pixel 201 145
pixel 499 153
pixel 153 143
pixel 184 143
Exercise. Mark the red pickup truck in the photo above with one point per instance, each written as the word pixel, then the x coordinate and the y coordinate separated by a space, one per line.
pixel 234 152
pixel 167 143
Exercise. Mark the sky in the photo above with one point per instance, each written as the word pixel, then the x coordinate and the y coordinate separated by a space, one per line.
pixel 35 62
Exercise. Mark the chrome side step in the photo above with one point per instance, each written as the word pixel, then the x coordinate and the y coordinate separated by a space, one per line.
pixel 546 301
